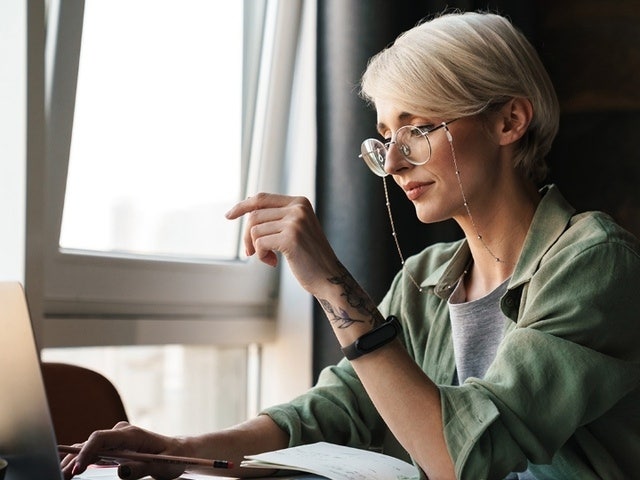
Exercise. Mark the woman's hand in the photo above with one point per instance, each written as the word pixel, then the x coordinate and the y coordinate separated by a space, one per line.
pixel 127 437
pixel 279 223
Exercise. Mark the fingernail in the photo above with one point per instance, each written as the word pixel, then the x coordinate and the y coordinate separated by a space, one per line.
pixel 75 469
pixel 124 471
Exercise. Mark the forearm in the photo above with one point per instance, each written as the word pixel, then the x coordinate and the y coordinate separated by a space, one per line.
pixel 405 397
pixel 288 225
pixel 409 402
pixel 257 435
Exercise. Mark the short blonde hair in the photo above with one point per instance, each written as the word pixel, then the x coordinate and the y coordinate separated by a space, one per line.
pixel 463 64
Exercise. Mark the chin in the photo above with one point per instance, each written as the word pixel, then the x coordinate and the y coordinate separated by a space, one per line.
pixel 425 215
pixel 428 214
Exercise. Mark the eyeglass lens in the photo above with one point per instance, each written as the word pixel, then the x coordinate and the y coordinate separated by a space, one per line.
pixel 411 142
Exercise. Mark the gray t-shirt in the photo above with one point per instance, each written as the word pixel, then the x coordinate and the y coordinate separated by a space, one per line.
pixel 477 329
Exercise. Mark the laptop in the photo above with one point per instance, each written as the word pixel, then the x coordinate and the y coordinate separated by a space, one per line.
pixel 27 439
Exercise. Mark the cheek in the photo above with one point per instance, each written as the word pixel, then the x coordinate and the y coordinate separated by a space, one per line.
pixel 442 166
pixel 471 155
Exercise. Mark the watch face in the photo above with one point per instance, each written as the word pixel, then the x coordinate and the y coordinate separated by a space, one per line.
pixel 378 337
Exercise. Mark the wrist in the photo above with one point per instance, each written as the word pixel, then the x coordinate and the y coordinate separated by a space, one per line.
pixel 373 339
pixel 188 447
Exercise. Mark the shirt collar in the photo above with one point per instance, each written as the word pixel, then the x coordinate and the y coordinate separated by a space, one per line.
pixel 549 222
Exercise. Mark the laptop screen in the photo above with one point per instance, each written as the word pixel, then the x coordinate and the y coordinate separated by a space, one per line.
pixel 27 439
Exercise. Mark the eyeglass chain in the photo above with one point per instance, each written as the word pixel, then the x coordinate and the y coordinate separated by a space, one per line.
pixel 395 235
pixel 464 198
pixel 466 206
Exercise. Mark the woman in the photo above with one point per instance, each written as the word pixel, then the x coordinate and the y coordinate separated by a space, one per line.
pixel 518 350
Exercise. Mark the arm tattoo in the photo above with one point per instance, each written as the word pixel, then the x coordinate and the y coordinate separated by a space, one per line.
pixel 340 316
pixel 355 297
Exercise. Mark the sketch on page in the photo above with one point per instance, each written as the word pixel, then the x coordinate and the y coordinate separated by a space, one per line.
pixel 335 462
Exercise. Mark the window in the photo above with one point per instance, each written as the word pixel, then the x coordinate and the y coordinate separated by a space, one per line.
pixel 156 147
pixel 129 256
pixel 14 124
pixel 197 317
pixel 175 389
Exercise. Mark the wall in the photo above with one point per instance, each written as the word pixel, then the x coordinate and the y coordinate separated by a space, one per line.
pixel 591 51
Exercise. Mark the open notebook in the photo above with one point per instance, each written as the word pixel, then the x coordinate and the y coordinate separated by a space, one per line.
pixel 335 462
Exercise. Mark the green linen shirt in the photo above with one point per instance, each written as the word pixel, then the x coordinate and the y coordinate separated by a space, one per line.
pixel 562 396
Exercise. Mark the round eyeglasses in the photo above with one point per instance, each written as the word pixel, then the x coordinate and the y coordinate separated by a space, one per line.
pixel 412 142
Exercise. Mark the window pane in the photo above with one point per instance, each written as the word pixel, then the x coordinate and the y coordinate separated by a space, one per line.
pixel 174 389
pixel 155 155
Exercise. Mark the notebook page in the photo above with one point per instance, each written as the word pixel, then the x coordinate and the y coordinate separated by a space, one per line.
pixel 335 462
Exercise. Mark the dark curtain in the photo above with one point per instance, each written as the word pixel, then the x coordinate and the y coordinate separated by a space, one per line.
pixel 350 199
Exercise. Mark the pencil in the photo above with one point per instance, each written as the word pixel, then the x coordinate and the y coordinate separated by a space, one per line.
pixel 152 457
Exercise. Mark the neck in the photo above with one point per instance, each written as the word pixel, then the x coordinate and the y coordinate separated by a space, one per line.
pixel 496 235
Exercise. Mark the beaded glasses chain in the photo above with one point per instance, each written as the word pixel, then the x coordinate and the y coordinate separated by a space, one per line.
pixel 466 206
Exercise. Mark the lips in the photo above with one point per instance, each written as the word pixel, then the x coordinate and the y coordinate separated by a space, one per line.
pixel 414 190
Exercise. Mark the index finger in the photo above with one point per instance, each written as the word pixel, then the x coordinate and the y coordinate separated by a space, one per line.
pixel 98 441
pixel 256 202
pixel 68 462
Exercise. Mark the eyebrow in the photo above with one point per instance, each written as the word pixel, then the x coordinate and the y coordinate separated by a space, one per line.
pixel 381 127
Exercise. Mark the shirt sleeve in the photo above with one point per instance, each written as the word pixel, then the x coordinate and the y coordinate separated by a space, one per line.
pixel 572 356
pixel 337 410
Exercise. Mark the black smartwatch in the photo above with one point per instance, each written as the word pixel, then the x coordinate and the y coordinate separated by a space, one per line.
pixel 376 338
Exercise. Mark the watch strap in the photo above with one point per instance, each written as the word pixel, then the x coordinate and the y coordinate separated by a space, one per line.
pixel 386 332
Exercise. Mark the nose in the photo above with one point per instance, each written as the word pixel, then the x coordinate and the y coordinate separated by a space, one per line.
pixel 395 160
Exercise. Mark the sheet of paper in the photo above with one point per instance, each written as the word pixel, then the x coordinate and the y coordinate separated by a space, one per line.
pixel 337 462
pixel 103 473
pixel 111 473
pixel 199 476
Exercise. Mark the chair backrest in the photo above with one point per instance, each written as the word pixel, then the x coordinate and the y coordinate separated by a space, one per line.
pixel 81 401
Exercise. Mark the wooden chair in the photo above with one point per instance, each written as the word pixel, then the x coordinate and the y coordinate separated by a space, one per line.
pixel 81 401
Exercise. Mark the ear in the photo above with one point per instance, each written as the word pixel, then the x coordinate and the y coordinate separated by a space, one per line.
pixel 515 117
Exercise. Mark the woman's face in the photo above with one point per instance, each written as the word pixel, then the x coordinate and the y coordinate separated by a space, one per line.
pixel 434 188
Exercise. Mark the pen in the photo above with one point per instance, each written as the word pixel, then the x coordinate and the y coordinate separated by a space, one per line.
pixel 152 457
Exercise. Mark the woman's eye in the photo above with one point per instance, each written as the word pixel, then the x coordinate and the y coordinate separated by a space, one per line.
pixel 419 131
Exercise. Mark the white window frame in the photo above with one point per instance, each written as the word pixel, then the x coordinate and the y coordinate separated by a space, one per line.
pixel 13 134
pixel 100 300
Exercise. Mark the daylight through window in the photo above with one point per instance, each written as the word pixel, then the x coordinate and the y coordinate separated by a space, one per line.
pixel 155 155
